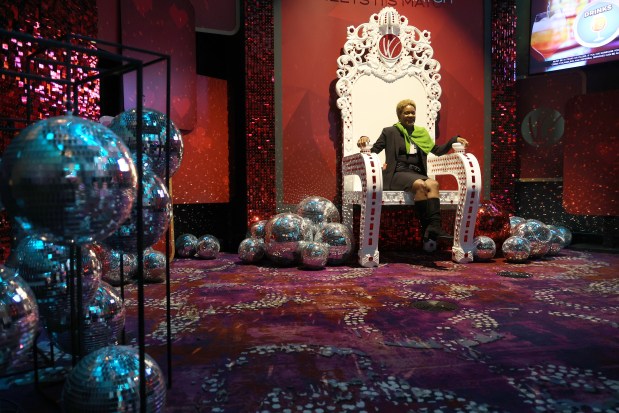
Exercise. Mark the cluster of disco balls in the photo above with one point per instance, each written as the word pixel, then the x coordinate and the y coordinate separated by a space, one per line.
pixel 189 246
pixel 519 239
pixel 70 187
pixel 312 236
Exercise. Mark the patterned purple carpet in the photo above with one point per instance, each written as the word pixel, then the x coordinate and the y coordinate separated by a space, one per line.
pixel 417 334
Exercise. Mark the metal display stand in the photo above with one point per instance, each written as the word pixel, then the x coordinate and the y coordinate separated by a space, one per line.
pixel 73 84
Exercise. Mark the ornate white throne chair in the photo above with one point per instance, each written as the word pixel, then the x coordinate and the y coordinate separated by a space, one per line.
pixel 384 61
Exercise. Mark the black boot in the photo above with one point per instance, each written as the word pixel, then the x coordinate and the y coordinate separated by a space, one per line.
pixel 434 231
pixel 420 210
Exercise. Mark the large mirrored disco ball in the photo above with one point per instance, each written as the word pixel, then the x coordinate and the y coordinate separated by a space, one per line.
pixel 314 255
pixel 107 380
pixel 339 239
pixel 103 322
pixel 320 210
pixel 19 319
pixel 251 250
pixel 282 235
pixel 153 137
pixel 493 222
pixel 186 245
pixel 256 230
pixel 69 179
pixel 113 274
pixel 485 248
pixel 538 235
pixel 154 266
pixel 516 249
pixel 514 222
pixel 46 267
pixel 208 247
pixel 156 216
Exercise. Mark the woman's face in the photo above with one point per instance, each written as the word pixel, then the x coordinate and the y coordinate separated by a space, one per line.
pixel 408 115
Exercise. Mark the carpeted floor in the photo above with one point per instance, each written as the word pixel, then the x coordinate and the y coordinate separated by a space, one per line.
pixel 417 334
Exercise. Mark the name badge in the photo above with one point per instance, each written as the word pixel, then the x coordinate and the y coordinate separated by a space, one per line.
pixel 412 149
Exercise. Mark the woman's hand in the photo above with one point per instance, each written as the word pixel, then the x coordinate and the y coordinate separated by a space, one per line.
pixel 462 141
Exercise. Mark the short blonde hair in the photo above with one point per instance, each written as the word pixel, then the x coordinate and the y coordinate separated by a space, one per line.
pixel 402 104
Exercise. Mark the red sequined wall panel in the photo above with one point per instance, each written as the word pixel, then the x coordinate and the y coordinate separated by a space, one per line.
pixel 51 20
pixel 504 152
pixel 590 167
pixel 259 106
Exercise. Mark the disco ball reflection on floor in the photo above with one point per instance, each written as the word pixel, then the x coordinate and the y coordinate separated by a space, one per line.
pixel 107 380
pixel 68 179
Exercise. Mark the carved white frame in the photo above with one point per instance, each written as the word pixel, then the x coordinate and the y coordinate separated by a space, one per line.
pixel 387 49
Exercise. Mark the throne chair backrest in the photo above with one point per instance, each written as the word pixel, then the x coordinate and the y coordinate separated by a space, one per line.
pixel 383 62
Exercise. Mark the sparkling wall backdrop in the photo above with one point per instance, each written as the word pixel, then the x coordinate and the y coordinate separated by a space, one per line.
pixel 505 162
pixel 259 105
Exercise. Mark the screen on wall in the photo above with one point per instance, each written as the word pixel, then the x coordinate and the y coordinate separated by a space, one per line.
pixel 572 33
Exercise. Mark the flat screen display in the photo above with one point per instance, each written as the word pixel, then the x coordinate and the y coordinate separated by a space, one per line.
pixel 573 33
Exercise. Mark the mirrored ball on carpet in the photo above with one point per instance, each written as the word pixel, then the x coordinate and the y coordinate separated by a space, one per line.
pixel 282 235
pixel 104 320
pixel 251 250
pixel 257 229
pixel 514 222
pixel 318 209
pixel 485 248
pixel 537 234
pixel 566 234
pixel 339 239
pixel 107 380
pixel 314 255
pixel 19 319
pixel 68 179
pixel 154 266
pixel 153 137
pixel 516 249
pixel 556 242
pixel 186 245
pixel 207 247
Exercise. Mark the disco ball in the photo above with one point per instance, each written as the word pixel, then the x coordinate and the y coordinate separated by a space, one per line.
pixel 19 319
pixel 103 321
pixel 314 255
pixel 557 242
pixel 153 137
pixel 68 179
pixel 154 266
pixel 492 222
pixel 207 247
pixel 257 229
pixel 566 234
pixel 485 248
pixel 514 222
pixel 251 250
pixel 186 245
pixel 156 216
pixel 113 275
pixel 107 380
pixel 516 249
pixel 46 267
pixel 320 210
pixel 339 239
pixel 282 235
pixel 537 234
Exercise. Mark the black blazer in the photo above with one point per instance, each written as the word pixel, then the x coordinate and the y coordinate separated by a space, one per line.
pixel 390 139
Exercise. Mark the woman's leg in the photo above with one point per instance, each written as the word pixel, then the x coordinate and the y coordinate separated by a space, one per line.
pixel 428 207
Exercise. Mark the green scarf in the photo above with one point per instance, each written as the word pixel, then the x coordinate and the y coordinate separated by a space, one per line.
pixel 420 136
